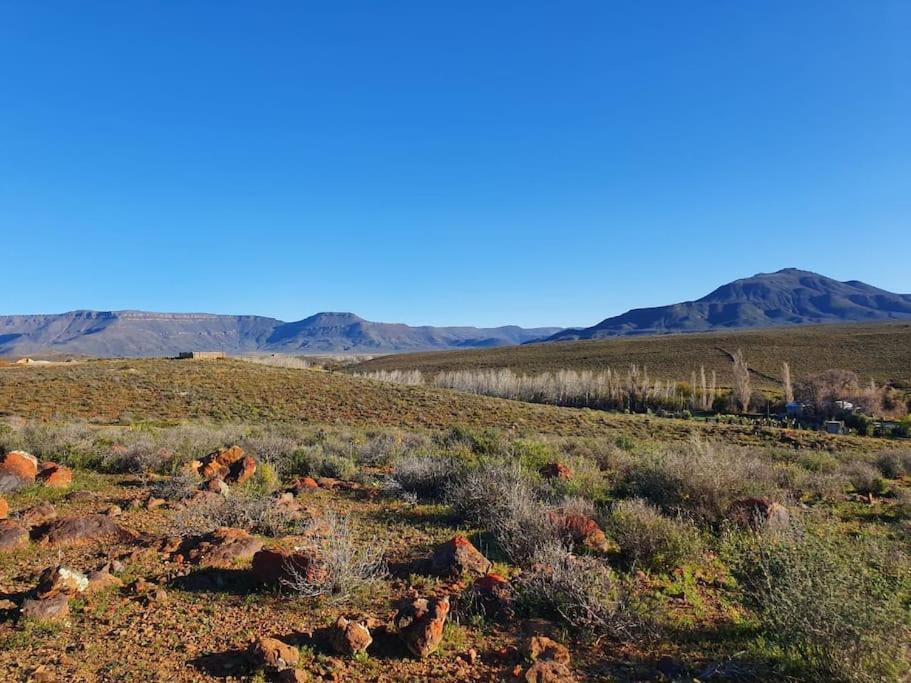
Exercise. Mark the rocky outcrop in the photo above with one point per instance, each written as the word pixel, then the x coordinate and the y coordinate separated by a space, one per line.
pixel 276 566
pixel 48 609
pixel 39 514
pixel 12 535
pixel 17 470
pixel 274 654
pixel 231 465
pixel 4 508
pixel 84 529
pixel 59 580
pixel 55 476
pixel 349 637
pixel 224 547
pixel 420 624
pixel 457 558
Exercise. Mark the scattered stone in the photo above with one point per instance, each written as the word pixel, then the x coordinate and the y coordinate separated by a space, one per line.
pixel 39 514
pixel 470 657
pixel 458 557
pixel 217 486
pixel 55 476
pixel 113 511
pixel 541 647
pixel 17 470
pixel 278 566
pixel 420 624
pixel 555 470
pixel 580 529
pixel 102 579
pixel 274 654
pixel 231 465
pixel 81 496
pixel 549 671
pixel 303 484
pixel 293 676
pixel 760 513
pixel 60 580
pixel 224 547
pixel 494 595
pixel 4 508
pixel 349 637
pixel 12 535
pixel 85 529
pixel 47 609
pixel 155 503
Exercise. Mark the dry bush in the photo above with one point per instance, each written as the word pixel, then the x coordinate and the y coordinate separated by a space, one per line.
pixel 894 464
pixel 701 480
pixel 254 513
pixel 582 592
pixel 864 478
pixel 343 563
pixel 314 461
pixel 425 476
pixel 650 540
pixel 832 604
pixel 500 497
pixel 71 443
pixel 270 448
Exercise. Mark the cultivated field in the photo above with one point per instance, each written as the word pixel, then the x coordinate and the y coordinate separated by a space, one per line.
pixel 881 352
pixel 551 544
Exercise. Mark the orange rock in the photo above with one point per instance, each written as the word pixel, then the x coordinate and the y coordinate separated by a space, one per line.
pixel 279 567
pixel 555 470
pixel 549 671
pixel 420 624
pixel 232 465
pixel 457 557
pixel 55 476
pixel 580 529
pixel 348 637
pixel 4 508
pixel 303 484
pixel 275 654
pixel 541 647
pixel 18 468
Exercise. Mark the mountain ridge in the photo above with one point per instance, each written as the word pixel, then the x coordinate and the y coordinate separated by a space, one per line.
pixel 134 333
pixel 786 297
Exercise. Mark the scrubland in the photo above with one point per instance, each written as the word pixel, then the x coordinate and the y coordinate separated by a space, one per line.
pixel 630 547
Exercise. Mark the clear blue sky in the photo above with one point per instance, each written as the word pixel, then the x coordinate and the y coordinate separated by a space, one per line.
pixel 446 163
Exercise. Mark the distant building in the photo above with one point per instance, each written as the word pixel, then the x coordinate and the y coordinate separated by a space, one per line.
pixel 835 426
pixel 202 355
pixel 793 408
pixel 845 406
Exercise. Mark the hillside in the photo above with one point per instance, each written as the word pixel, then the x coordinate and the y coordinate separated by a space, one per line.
pixel 111 334
pixel 879 351
pixel 787 297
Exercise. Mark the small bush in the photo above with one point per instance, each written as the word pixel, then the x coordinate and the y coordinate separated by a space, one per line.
pixel 827 606
pixel 864 478
pixel 649 539
pixel 313 461
pixel 424 476
pixel 894 464
pixel 702 480
pixel 499 496
pixel 819 461
pixel 344 563
pixel 582 592
pixel 254 513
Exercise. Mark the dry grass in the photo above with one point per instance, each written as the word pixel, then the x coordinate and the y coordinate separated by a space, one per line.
pixel 874 351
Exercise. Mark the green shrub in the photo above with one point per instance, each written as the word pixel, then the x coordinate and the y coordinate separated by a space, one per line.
pixel 313 461
pixel 819 461
pixel 827 605
pixel 650 540
pixel 864 478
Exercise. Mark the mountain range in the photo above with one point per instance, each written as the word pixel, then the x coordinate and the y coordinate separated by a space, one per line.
pixel 786 297
pixel 114 334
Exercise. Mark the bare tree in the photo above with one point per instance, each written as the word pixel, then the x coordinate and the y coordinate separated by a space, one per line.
pixel 742 391
pixel 705 395
pixel 786 383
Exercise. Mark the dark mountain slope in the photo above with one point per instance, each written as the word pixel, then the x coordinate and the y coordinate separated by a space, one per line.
pixel 788 297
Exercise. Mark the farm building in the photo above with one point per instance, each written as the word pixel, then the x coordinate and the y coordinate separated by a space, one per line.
pixel 835 427
pixel 201 355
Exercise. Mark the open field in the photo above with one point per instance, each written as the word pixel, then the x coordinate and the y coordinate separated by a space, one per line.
pixel 653 549
pixel 874 351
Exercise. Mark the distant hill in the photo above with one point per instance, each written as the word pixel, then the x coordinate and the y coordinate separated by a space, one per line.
pixel 113 334
pixel 788 297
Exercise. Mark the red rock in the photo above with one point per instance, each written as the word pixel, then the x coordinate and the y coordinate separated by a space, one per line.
pixel 274 654
pixel 458 557
pixel 60 580
pixel 17 469
pixel 48 609
pixel 294 676
pixel 493 594
pixel 55 476
pixel 280 567
pixel 555 470
pixel 4 508
pixel 580 529
pixel 541 647
pixel 420 624
pixel 760 513
pixel 85 529
pixel 232 465
pixel 101 580
pixel 349 637
pixel 224 547
pixel 12 535
pixel 303 484
pixel 549 671
pixel 39 514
